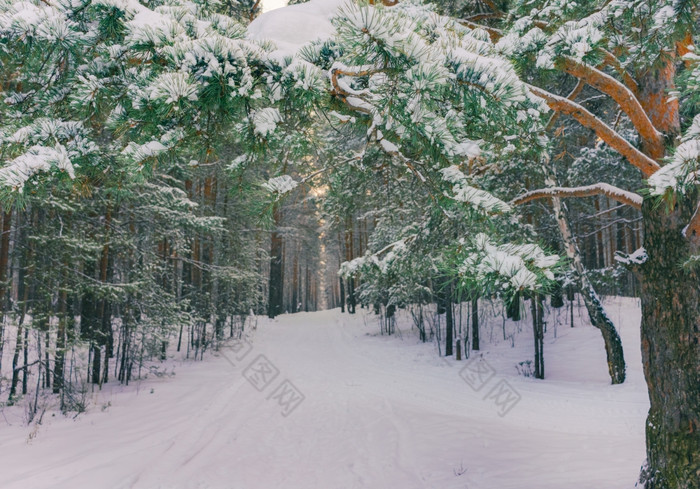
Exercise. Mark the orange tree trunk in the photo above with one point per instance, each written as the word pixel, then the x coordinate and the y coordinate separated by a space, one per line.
pixel 670 319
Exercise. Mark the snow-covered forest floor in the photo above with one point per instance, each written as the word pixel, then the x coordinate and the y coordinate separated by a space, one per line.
pixel 377 412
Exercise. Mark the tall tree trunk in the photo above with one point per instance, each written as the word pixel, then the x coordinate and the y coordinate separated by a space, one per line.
pixel 59 357
pixel 276 291
pixel 557 297
pixel 475 323
pixel 538 333
pixel 307 287
pixel 4 259
pixel 513 307
pixel 103 321
pixel 342 294
pixel 449 325
pixel 351 295
pixel 25 358
pixel 295 280
pixel 349 255
pixel 670 319
pixel 670 352
pixel 18 342
pixel 596 312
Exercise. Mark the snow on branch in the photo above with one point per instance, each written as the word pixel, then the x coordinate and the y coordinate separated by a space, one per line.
pixel 265 121
pixel 382 259
pixel 37 159
pixel 602 130
pixel 141 152
pixel 623 196
pixel 339 68
pixel 463 192
pixel 638 257
pixel 392 150
pixel 173 87
pixel 353 98
pixel 494 34
pixel 281 185
pixel 508 266
pixel 682 169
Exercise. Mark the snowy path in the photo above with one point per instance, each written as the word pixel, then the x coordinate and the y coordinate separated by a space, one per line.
pixel 378 413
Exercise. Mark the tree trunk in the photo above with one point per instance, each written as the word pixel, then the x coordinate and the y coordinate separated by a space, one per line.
pixel 295 281
pixel 513 307
pixel 103 321
pixel 25 358
pixel 538 333
pixel 59 357
pixel 18 341
pixel 570 295
pixel 670 351
pixel 670 316
pixel 449 324
pixel 276 297
pixel 351 295
pixel 25 291
pixel 342 294
pixel 4 259
pixel 349 255
pixel 596 312
pixel 557 297
pixel 475 323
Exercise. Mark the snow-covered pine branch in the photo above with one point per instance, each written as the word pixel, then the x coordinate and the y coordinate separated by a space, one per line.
pixel 617 194
pixel 683 168
pixel 281 185
pixel 506 267
pixel 37 159
pixel 463 192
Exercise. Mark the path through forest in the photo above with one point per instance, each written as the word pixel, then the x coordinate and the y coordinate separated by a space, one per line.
pixel 378 412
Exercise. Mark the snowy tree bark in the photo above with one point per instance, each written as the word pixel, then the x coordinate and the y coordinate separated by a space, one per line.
pixel 596 312
pixel 670 319
pixel 670 352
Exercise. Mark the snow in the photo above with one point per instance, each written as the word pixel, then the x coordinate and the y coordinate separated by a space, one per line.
pixel 682 167
pixel 468 149
pixel 378 412
pixel 463 192
pixel 268 5
pixel 281 184
pixel 294 26
pixel 265 121
pixel 173 87
pixel 638 257
pixel 141 152
pixel 508 264
pixel 497 76
pixel 37 159
pixel 664 16
pixel 388 146
pixel 341 117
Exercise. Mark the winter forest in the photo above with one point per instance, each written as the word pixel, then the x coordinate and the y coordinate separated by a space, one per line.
pixel 386 244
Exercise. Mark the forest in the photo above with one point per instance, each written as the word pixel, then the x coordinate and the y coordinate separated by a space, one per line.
pixel 174 171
